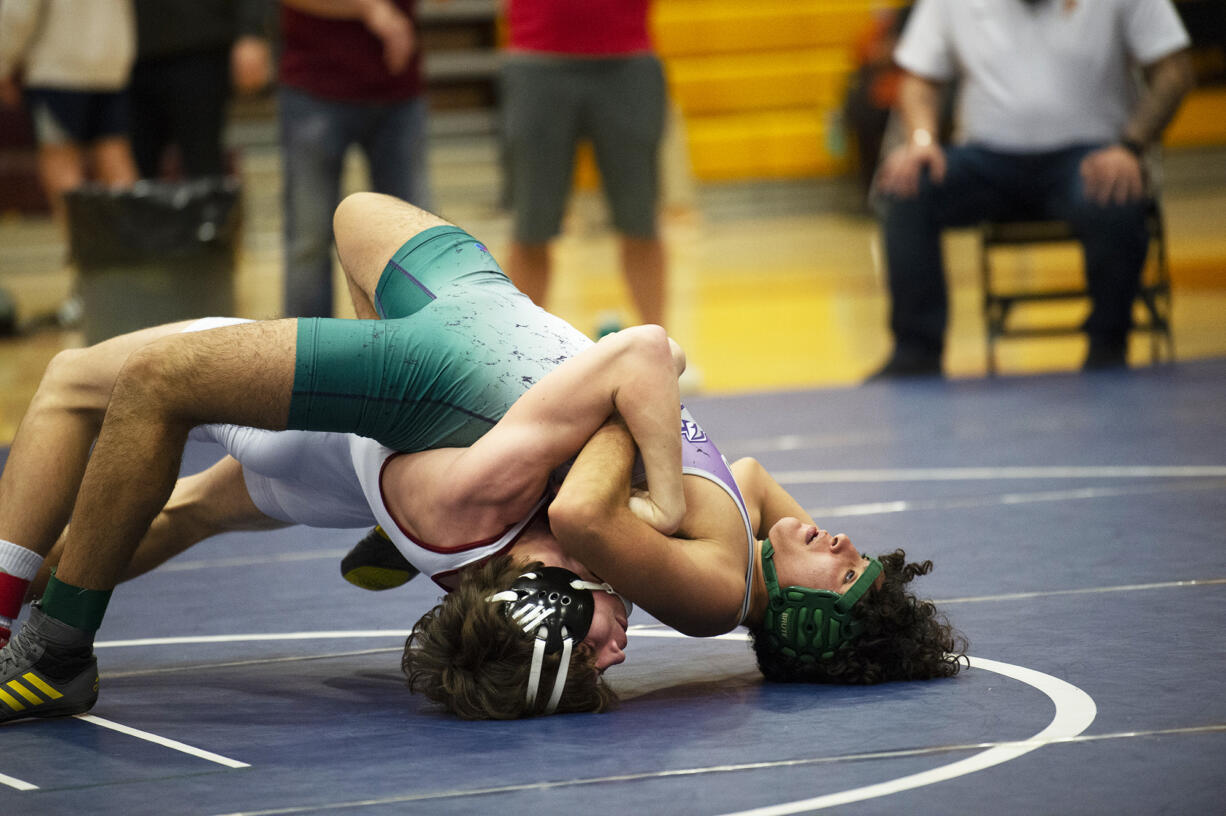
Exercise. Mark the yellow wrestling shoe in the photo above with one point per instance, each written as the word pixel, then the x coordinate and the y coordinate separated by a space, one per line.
pixel 375 564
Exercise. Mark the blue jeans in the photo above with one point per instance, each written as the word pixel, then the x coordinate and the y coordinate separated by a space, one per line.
pixel 987 185
pixel 315 133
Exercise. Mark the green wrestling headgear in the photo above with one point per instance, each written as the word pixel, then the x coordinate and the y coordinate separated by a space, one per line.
pixel 811 624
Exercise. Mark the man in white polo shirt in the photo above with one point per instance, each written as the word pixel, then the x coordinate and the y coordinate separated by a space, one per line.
pixel 1051 124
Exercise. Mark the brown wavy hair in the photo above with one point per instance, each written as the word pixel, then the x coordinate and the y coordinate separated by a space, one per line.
pixel 465 655
pixel 904 638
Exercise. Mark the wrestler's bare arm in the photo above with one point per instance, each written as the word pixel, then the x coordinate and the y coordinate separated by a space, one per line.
pixel 693 582
pixel 630 373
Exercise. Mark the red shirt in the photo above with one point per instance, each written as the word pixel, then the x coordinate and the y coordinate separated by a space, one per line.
pixel 342 60
pixel 587 27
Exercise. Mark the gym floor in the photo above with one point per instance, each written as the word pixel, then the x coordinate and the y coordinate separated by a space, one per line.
pixel 1075 522
pixel 772 285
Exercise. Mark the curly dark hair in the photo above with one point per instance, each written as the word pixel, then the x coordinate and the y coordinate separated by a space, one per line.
pixel 467 656
pixel 904 638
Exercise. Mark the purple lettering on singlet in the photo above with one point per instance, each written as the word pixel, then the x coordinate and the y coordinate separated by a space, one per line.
pixel 698 453
pixel 692 431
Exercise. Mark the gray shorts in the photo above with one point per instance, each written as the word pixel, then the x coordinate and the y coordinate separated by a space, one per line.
pixel 550 104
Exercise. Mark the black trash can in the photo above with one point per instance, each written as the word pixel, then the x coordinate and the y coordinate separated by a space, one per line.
pixel 158 252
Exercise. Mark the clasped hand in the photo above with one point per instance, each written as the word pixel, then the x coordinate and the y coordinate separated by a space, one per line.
pixel 1112 175
pixel 664 519
pixel 899 174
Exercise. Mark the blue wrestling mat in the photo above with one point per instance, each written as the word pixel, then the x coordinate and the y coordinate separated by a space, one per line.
pixel 1076 523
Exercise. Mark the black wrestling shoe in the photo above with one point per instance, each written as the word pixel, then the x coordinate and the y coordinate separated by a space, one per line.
pixel 374 563
pixel 48 669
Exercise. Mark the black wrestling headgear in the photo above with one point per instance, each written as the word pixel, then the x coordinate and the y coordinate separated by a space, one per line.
pixel 554 606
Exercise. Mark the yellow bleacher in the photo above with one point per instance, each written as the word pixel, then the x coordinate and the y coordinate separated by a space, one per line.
pixel 684 28
pixel 759 84
pixel 1201 120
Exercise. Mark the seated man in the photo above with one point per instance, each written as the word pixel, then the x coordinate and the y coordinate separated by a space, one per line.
pixel 1051 127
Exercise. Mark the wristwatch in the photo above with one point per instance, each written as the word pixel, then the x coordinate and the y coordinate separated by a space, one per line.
pixel 1134 147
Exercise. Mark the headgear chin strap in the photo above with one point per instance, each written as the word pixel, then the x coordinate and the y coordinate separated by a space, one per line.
pixel 811 624
pixel 554 606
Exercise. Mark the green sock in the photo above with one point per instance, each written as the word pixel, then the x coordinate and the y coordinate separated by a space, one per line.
pixel 82 608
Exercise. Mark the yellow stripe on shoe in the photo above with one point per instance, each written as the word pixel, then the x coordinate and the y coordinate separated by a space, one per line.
pixel 36 681
pixel 30 696
pixel 10 701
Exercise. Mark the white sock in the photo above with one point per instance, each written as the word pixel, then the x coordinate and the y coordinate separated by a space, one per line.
pixel 18 561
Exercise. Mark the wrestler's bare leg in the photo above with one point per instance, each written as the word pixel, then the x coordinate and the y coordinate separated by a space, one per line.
pixel 49 452
pixel 369 228
pixel 202 505
pixel 239 374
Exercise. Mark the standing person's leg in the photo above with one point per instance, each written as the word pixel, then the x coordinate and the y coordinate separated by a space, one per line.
pixel 395 144
pixel 111 150
pixel 396 151
pixel 624 114
pixel 61 167
pixel 150 128
pixel 196 110
pixel 1115 242
pixel 112 158
pixel 645 267
pixel 530 265
pixel 313 142
pixel 58 119
pixel 539 131
pixel 973 190
pixel 65 123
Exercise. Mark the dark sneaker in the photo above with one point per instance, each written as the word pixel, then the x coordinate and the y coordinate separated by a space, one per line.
pixel 902 366
pixel 375 564
pixel 48 669
pixel 1104 354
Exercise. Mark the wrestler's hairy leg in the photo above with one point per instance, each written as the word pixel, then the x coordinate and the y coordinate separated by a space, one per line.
pixel 239 374
pixel 369 228
pixel 49 452
pixel 205 504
